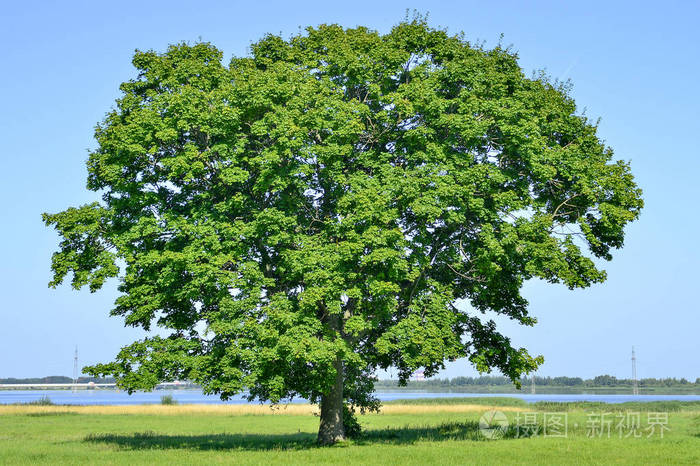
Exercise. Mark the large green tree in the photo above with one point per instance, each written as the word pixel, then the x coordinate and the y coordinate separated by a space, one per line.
pixel 315 211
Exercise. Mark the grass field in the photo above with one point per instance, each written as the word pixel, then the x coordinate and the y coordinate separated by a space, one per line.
pixel 416 432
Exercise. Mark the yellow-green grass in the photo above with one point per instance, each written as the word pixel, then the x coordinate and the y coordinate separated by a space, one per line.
pixel 235 410
pixel 254 434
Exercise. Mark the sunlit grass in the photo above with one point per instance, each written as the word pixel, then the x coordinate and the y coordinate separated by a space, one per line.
pixel 240 410
pixel 167 410
pixel 403 434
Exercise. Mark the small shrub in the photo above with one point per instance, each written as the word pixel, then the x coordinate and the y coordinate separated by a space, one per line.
pixel 168 400
pixel 352 427
pixel 43 401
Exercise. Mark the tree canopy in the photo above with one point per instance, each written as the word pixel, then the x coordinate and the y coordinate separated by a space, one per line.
pixel 328 206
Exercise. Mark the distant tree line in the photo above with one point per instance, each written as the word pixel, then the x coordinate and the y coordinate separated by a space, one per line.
pixel 56 379
pixel 561 381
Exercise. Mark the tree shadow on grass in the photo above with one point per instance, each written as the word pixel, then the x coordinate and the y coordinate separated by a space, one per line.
pixel 225 441
pixel 52 413
pixel 299 441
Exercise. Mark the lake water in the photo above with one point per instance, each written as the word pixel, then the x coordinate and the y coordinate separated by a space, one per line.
pixel 115 397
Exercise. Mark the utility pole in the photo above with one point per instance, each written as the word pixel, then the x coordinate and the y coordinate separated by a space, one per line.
pixel 635 387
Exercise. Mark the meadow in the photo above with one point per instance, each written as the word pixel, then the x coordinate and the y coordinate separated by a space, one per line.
pixel 415 432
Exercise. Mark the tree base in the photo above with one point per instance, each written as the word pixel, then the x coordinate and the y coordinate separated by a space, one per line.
pixel 328 440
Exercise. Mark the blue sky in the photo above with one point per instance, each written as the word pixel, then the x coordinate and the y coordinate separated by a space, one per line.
pixel 634 64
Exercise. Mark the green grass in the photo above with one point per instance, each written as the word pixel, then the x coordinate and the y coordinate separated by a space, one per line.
pixel 484 401
pixel 644 406
pixel 64 435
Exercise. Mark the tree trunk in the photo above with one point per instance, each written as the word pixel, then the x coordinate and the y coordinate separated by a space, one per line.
pixel 331 429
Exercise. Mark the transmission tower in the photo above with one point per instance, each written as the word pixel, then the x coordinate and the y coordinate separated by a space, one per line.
pixel 532 385
pixel 75 366
pixel 635 387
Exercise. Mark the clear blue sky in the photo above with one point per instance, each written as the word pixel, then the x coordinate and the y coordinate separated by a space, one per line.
pixel 634 64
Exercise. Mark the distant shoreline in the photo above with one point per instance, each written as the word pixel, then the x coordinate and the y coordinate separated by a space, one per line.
pixel 496 389
pixel 548 390
pixel 485 384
